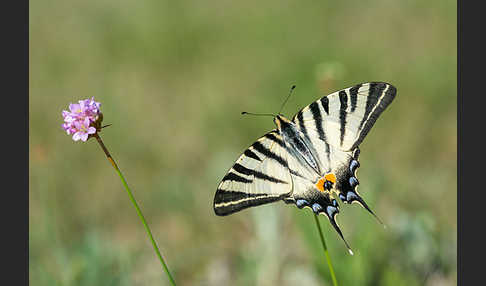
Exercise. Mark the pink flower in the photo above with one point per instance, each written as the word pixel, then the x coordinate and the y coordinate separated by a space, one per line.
pixel 82 119
pixel 83 130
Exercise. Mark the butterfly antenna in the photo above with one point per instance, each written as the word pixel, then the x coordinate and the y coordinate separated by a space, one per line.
pixel 290 93
pixel 106 125
pixel 257 114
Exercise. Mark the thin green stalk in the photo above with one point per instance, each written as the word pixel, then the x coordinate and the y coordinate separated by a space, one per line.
pixel 328 258
pixel 139 212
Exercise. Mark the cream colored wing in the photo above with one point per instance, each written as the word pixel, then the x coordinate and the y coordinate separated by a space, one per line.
pixel 344 118
pixel 259 176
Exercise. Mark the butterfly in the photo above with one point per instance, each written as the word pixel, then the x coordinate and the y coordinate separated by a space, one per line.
pixel 311 160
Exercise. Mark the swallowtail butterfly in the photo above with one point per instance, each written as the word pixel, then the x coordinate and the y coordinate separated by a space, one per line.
pixel 310 160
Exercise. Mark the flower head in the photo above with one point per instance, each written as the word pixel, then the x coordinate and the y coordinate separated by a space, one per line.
pixel 82 119
pixel 83 130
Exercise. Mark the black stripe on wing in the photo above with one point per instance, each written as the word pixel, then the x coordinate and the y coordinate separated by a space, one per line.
pixel 317 117
pixel 236 178
pixel 262 149
pixel 274 138
pixel 353 92
pixel 318 120
pixel 377 100
pixel 228 202
pixel 374 92
pixel 250 172
pixel 300 118
pixel 325 104
pixel 343 99
pixel 252 155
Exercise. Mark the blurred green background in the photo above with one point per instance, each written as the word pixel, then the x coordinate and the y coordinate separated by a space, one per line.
pixel 173 77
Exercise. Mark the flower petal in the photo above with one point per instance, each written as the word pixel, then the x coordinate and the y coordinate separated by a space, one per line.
pixel 74 108
pixel 84 137
pixel 91 130
pixel 76 136
pixel 77 124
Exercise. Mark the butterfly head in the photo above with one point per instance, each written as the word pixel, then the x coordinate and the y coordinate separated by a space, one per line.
pixel 281 121
pixel 278 121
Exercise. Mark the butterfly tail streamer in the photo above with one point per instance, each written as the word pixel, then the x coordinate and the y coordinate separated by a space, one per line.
pixel 364 205
pixel 338 230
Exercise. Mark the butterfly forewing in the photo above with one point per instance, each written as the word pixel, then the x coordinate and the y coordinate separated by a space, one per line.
pixel 259 176
pixel 344 118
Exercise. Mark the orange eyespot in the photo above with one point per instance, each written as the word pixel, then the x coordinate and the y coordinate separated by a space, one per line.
pixel 330 177
pixel 320 185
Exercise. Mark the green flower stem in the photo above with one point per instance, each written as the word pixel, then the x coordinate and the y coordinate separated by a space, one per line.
pixel 139 212
pixel 328 258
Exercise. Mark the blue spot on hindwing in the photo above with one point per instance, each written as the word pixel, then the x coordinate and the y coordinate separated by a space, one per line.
pixel 353 181
pixel 353 166
pixel 342 197
pixel 301 203
pixel 316 208
pixel 331 211
pixel 351 196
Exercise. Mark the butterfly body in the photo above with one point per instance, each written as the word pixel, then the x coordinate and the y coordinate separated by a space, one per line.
pixel 296 142
pixel 311 160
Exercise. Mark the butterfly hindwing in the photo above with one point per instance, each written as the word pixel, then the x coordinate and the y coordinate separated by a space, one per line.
pixel 259 176
pixel 305 194
pixel 347 183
